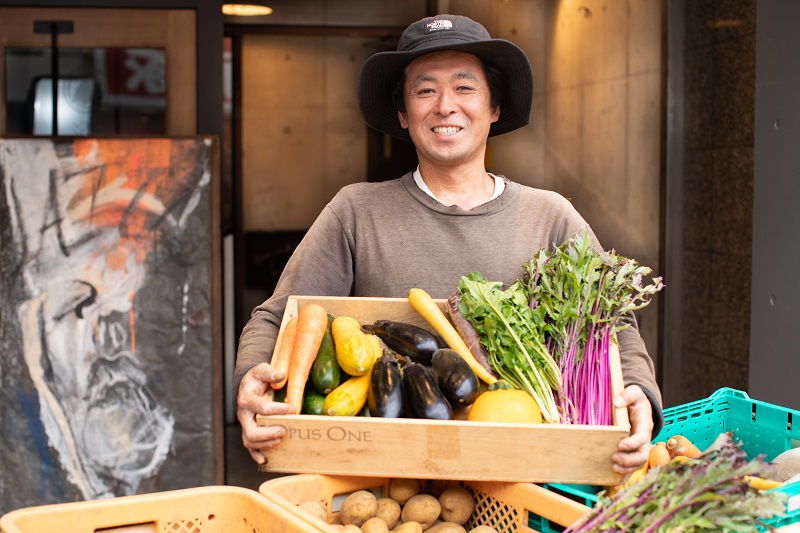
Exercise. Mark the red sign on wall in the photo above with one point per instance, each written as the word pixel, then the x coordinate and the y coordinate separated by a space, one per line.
pixel 136 72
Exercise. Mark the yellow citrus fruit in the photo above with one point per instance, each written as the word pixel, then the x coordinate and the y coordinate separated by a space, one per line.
pixel 505 405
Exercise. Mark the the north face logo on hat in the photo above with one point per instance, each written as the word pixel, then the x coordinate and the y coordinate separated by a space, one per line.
pixel 438 25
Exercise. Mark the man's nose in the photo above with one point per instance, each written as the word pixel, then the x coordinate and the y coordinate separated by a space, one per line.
pixel 446 103
pixel 111 333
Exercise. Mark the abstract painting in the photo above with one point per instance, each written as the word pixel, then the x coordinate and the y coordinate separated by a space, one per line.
pixel 107 260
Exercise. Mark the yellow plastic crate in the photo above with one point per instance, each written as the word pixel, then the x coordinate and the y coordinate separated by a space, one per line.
pixel 213 509
pixel 501 505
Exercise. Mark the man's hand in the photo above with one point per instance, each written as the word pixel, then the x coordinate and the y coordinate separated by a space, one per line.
pixel 250 402
pixel 634 450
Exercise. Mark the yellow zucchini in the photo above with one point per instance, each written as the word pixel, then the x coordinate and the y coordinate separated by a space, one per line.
pixel 356 351
pixel 348 398
pixel 422 302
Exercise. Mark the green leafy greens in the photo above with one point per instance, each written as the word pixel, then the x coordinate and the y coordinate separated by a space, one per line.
pixel 585 294
pixel 708 493
pixel 549 333
pixel 513 337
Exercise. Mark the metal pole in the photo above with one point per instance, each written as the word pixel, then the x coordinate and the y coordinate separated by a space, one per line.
pixel 53 27
pixel 54 73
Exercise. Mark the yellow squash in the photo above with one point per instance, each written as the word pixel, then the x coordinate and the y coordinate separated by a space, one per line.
pixel 348 398
pixel 356 351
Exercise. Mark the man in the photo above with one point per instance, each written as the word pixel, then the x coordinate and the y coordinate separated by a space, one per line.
pixel 447 88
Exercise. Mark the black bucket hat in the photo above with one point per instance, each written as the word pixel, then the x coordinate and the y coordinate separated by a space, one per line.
pixel 445 32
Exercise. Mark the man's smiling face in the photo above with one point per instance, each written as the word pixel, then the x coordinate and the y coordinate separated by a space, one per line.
pixel 448 107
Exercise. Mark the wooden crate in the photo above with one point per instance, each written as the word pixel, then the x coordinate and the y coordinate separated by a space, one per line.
pixel 503 506
pixel 436 449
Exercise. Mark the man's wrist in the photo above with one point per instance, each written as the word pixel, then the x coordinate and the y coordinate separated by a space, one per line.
pixel 655 406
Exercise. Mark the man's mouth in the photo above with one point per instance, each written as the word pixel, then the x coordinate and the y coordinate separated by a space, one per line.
pixel 447 130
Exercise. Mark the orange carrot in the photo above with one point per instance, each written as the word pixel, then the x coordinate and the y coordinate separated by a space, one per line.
pixel 282 356
pixel 659 455
pixel 312 321
pixel 680 445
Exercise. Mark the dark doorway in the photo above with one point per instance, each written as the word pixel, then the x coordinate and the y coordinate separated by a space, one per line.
pixel 387 157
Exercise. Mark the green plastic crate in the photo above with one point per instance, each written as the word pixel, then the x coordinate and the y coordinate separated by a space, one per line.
pixel 762 428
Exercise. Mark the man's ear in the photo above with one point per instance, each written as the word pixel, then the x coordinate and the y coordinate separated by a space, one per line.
pixel 403 121
pixel 495 113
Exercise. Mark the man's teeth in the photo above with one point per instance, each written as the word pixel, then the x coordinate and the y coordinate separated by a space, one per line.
pixel 449 130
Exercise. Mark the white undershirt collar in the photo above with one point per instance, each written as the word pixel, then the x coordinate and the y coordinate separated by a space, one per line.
pixel 499 185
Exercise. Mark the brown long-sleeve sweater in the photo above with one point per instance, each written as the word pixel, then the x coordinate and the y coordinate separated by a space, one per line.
pixel 382 239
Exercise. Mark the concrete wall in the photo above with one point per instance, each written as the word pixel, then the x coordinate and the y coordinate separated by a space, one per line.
pixel 602 138
pixel 302 133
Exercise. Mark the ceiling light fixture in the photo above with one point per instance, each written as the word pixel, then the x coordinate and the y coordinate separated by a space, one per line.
pixel 245 9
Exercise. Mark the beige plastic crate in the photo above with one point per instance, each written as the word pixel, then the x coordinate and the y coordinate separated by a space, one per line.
pixel 436 449
pixel 217 509
pixel 503 506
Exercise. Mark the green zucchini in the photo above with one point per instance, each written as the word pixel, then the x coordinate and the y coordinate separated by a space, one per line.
pixel 313 403
pixel 280 394
pixel 326 374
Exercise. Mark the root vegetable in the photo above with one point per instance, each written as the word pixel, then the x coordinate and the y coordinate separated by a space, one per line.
pixel 312 321
pixel 457 505
pixel 408 527
pixel 659 455
pixel 358 507
pixel 375 525
pixel 422 508
pixel 468 332
pixel 422 302
pixel 446 527
pixel 281 358
pixel 401 490
pixel 315 509
pixel 389 511
pixel 760 483
pixel 680 445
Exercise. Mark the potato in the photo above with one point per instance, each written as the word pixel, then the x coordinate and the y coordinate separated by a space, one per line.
pixel 358 507
pixel 375 525
pixel 457 505
pixel 483 529
pixel 315 509
pixel 422 508
pixel 408 527
pixel 389 510
pixel 446 527
pixel 401 490
pixel 350 528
